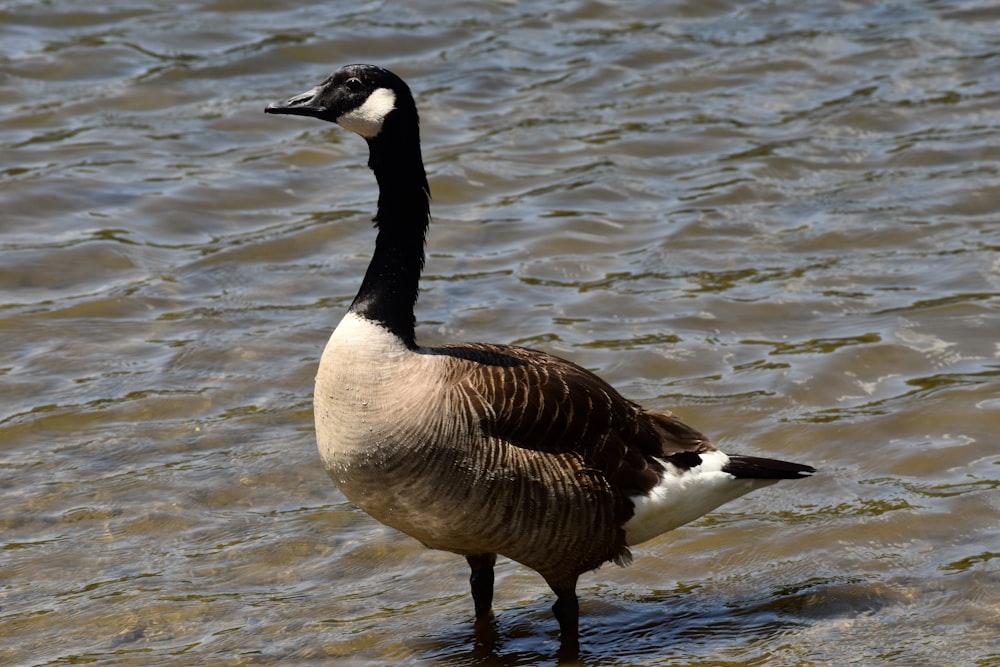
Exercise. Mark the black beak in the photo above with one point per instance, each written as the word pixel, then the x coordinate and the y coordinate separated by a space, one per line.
pixel 306 104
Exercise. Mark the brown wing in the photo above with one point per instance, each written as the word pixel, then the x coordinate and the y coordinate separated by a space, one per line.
pixel 547 404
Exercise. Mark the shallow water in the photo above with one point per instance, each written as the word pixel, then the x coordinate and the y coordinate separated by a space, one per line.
pixel 778 220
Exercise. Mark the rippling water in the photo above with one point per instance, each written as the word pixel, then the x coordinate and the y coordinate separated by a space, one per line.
pixel 778 219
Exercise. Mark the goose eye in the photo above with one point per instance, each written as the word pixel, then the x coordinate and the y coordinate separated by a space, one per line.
pixel 354 83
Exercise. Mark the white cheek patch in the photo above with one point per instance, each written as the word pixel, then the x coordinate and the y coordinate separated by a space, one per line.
pixel 367 119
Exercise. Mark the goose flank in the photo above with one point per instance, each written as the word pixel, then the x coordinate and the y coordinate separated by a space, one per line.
pixel 483 449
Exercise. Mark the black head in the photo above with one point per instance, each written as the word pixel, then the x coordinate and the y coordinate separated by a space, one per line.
pixel 360 98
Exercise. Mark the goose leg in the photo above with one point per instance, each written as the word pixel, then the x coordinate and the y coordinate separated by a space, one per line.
pixel 481 581
pixel 567 612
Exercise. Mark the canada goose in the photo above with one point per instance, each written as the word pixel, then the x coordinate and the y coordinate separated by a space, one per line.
pixel 484 449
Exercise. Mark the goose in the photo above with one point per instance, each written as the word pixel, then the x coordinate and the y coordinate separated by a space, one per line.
pixel 485 449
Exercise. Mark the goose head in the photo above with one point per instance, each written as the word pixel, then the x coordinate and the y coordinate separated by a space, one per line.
pixel 365 99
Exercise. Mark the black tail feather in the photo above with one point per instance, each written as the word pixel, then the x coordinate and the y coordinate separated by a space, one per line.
pixel 756 467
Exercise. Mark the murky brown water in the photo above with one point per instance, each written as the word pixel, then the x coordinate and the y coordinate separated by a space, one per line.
pixel 779 220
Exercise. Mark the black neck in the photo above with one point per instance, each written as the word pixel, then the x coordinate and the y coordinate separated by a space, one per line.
pixel 389 291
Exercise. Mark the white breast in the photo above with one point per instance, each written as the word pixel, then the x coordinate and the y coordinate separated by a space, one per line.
pixel 361 365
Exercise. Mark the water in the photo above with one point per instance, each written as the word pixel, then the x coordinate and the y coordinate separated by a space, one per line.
pixel 777 219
